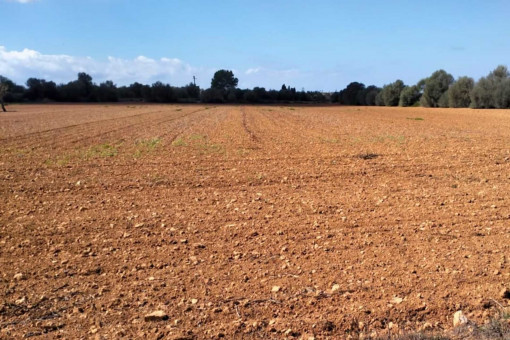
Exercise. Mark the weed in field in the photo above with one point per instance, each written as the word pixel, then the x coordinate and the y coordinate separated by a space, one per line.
pixel 101 151
pixel 197 137
pixel 59 161
pixel 146 145
pixel 417 118
pixel 210 148
pixel 179 142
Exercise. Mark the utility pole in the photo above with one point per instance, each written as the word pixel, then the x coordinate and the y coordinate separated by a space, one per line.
pixel 194 81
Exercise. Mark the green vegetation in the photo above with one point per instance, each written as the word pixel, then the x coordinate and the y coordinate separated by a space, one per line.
pixel 146 145
pixel 179 142
pixel 435 89
pixel 390 93
pixel 492 91
pixel 438 90
pixel 101 151
pixel 459 92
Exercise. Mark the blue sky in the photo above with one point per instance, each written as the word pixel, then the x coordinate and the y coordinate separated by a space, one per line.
pixel 316 45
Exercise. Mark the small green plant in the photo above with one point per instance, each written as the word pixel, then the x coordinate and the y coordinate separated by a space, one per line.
pixel 197 137
pixel 179 142
pixel 146 145
pixel 417 118
pixel 101 151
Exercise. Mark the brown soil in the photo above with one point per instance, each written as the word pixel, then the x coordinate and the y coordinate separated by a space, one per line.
pixel 254 222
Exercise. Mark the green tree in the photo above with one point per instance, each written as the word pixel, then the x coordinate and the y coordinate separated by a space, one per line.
pixel 435 88
pixel 350 95
pixel 371 93
pixel 459 92
pixel 391 93
pixel 224 80
pixel 379 99
pixel 409 96
pixel 107 92
pixel 492 91
pixel 3 92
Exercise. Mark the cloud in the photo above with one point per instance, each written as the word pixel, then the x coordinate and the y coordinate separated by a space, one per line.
pixel 252 70
pixel 23 1
pixel 61 68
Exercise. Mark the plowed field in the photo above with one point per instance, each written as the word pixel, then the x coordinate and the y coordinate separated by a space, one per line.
pixel 254 222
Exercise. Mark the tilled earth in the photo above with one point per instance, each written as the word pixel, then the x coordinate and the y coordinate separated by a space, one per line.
pixel 250 222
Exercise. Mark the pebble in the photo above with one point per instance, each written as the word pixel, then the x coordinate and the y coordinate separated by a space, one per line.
pixel 397 300
pixel 335 287
pixel 459 319
pixel 19 276
pixel 158 315
pixel 276 289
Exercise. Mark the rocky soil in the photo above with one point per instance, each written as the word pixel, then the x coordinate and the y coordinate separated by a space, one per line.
pixel 193 222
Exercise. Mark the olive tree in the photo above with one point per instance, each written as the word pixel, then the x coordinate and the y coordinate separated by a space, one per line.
pixel 492 91
pixel 391 93
pixel 459 92
pixel 409 96
pixel 435 89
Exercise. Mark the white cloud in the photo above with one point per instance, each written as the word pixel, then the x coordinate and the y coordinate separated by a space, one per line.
pixel 23 1
pixel 61 68
pixel 252 70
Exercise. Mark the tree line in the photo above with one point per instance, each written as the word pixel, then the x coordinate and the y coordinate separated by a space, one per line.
pixel 438 90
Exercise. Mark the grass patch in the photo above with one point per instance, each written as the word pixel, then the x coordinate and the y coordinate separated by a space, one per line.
pixel 104 150
pixel 389 138
pixel 197 137
pixel 210 148
pixel 146 145
pixel 179 142
pixel 417 118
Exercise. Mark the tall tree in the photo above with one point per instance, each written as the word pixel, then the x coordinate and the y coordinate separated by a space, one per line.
pixel 224 80
pixel 492 91
pixel 391 93
pixel 349 95
pixel 459 92
pixel 409 96
pixel 435 89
